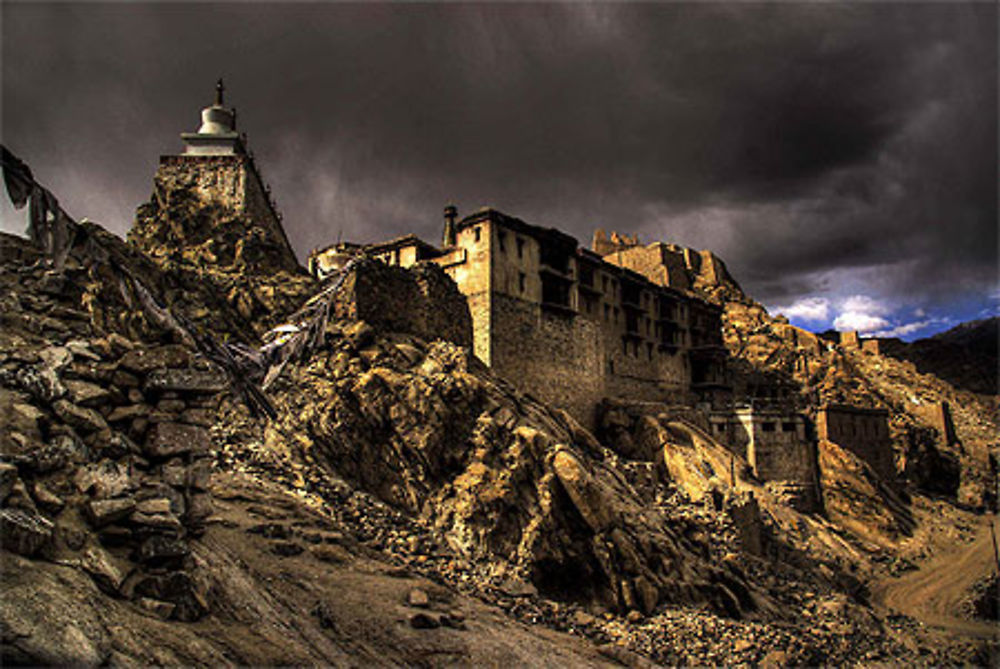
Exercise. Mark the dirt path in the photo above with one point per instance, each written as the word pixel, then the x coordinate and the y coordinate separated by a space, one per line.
pixel 933 592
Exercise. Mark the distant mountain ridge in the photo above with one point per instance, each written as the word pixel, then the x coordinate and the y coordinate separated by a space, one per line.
pixel 964 356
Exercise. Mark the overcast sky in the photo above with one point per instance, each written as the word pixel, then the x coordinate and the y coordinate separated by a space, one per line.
pixel 841 158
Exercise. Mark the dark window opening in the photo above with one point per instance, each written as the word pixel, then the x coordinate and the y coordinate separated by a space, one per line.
pixel 555 258
pixel 502 239
pixel 477 231
pixel 555 291
pixel 767 426
pixel 631 322
pixel 788 426
pixel 630 292
pixel 521 280
pixel 520 247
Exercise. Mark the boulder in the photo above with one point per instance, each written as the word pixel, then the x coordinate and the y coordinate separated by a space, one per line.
pixel 105 512
pixel 8 477
pixel 587 496
pixel 186 381
pixel 86 394
pixel 24 532
pixel 46 499
pixel 178 588
pixel 143 360
pixel 98 564
pixel 104 480
pixel 169 439
pixel 83 419
pixel 162 551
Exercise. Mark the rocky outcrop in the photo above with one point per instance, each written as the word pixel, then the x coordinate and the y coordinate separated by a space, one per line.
pixel 510 482
pixel 772 360
pixel 218 256
pixel 858 499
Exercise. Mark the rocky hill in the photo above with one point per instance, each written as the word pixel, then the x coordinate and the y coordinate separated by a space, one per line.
pixel 380 497
pixel 965 356
pixel 772 358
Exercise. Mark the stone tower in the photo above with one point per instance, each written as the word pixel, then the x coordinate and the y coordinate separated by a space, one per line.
pixel 217 169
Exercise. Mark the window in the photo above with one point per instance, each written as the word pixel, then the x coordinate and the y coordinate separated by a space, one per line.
pixel 520 247
pixel 767 426
pixel 477 231
pixel 616 315
pixel 611 366
pixel 607 312
pixel 788 426
pixel 502 239
pixel 649 351
pixel 604 285
pixel 624 347
pixel 521 280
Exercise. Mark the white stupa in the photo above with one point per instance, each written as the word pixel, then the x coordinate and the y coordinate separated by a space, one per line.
pixel 217 135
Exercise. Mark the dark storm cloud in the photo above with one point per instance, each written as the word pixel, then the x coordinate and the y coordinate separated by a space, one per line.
pixel 794 139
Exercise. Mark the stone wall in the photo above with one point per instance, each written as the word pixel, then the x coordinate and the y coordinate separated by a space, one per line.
pixel 873 346
pixel 106 466
pixel 849 341
pixel 421 301
pixel 864 432
pixel 662 264
pixel 557 357
pixel 938 416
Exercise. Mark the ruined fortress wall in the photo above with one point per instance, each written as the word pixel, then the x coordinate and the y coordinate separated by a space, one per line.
pixel 556 357
pixel 784 454
pixel 482 324
pixel 442 311
pixel 938 416
pixel 421 301
pixel 657 262
pixel 215 179
pixel 864 432
pixel 257 203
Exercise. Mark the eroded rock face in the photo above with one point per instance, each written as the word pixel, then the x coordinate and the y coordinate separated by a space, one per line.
pixel 767 351
pixel 509 481
pixel 855 497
